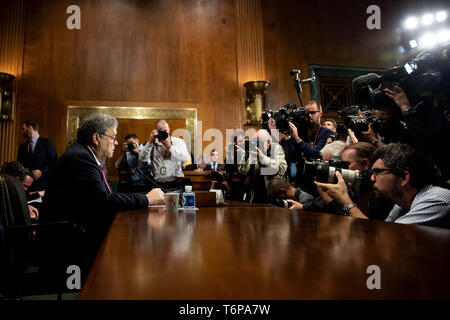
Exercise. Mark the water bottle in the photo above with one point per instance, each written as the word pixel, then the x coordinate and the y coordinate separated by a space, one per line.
pixel 188 198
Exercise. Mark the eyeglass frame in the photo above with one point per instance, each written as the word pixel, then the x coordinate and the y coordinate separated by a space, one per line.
pixel 114 138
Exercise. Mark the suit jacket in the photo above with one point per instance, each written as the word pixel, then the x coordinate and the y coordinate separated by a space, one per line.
pixel 220 167
pixel 43 156
pixel 77 192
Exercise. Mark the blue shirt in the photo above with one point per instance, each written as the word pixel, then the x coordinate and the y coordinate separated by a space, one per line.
pixel 431 206
pixel 133 164
pixel 313 151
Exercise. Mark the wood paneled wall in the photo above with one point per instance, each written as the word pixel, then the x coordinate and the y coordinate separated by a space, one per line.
pixel 190 51
pixel 12 24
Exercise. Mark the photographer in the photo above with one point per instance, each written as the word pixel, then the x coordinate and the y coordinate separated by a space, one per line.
pixel 128 163
pixel 262 165
pixel 427 126
pixel 235 156
pixel 291 153
pixel 165 154
pixel 404 176
pixel 314 137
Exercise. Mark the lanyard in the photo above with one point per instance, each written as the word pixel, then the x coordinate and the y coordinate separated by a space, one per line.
pixel 315 139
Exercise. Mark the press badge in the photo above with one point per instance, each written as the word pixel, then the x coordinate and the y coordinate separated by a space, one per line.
pixel 163 171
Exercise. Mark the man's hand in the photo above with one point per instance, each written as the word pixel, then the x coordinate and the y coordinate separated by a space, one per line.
pixel 37 174
pixel 336 191
pixel 153 136
pixel 294 132
pixel 352 136
pixel 368 136
pixel 167 143
pixel 295 205
pixel 399 97
pixel 155 196
pixel 34 213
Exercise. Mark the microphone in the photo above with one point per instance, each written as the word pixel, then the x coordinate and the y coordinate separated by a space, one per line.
pixel 312 79
pixel 365 80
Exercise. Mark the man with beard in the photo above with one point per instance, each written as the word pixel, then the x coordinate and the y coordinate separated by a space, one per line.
pixel 404 176
pixel 315 136
pixel 37 154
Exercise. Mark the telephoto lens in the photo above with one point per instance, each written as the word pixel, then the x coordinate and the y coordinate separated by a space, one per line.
pixel 325 173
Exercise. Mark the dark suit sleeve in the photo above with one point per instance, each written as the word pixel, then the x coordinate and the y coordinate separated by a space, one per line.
pixel 89 181
pixel 50 155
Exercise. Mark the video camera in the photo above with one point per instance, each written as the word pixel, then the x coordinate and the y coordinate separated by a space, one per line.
pixel 290 113
pixel 359 123
pixel 420 78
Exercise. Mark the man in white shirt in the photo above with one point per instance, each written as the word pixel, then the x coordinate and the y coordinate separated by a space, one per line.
pixel 165 155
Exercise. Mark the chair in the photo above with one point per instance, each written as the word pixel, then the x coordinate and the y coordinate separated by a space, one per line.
pixel 29 264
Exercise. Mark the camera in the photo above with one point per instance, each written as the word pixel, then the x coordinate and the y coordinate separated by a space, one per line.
pixel 162 135
pixel 131 146
pixel 290 113
pixel 323 172
pixel 359 123
pixel 280 203
pixel 420 78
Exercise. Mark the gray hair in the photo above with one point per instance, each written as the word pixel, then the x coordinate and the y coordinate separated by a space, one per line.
pixel 335 148
pixel 94 123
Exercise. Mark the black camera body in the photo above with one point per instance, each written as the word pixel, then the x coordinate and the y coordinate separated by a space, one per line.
pixel 162 135
pixel 131 146
pixel 359 123
pixel 420 79
pixel 290 113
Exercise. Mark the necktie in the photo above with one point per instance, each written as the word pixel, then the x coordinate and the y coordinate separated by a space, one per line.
pixel 30 148
pixel 104 178
pixel 215 166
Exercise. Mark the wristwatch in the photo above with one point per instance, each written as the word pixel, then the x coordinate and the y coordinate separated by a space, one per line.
pixel 348 207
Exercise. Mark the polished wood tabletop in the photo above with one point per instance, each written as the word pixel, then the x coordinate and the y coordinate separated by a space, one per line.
pixel 263 252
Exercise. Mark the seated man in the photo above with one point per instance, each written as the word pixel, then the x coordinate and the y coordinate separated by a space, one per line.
pixel 404 176
pixel 214 164
pixel 128 165
pixel 18 171
pixel 165 155
pixel 78 191
pixel 262 165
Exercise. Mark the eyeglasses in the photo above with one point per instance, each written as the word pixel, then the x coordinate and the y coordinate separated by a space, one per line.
pixel 313 112
pixel 378 171
pixel 114 138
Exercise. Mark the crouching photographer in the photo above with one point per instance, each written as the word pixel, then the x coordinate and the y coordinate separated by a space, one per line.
pixel 404 176
pixel 264 161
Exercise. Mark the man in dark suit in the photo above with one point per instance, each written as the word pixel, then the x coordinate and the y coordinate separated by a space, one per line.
pixel 214 164
pixel 36 154
pixel 78 190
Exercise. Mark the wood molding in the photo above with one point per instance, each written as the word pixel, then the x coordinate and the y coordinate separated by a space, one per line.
pixel 249 45
pixel 12 32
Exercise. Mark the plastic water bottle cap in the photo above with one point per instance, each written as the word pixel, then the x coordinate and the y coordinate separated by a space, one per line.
pixel 188 188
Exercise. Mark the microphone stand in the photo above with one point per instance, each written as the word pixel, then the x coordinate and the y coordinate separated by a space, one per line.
pixel 151 180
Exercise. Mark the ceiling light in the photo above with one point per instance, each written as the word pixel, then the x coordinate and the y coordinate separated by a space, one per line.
pixel 427 19
pixel 411 23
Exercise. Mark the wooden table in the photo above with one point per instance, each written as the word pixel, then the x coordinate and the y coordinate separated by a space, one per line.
pixel 262 252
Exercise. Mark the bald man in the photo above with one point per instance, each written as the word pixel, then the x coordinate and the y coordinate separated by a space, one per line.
pixel 165 154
